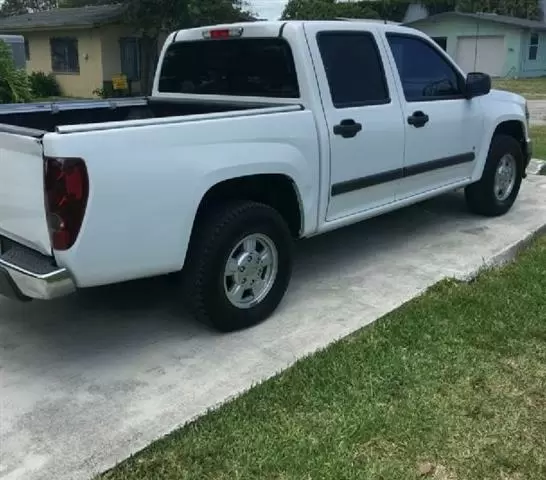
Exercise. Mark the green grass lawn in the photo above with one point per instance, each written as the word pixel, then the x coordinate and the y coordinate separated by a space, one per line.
pixel 531 88
pixel 451 386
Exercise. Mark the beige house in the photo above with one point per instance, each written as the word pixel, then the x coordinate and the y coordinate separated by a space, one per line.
pixel 83 47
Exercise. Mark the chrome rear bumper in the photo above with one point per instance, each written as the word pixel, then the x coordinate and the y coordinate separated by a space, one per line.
pixel 25 274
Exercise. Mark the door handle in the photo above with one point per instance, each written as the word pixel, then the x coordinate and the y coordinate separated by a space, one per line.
pixel 347 128
pixel 418 119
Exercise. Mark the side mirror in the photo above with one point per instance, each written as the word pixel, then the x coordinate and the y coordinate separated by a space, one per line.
pixel 477 84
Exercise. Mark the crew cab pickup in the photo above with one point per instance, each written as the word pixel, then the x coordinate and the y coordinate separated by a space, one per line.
pixel 255 134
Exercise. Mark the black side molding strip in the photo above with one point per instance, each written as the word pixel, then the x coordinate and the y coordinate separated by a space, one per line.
pixel 400 173
pixel 437 164
pixel 365 182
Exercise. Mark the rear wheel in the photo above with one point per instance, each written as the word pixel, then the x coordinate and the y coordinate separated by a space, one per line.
pixel 497 190
pixel 239 265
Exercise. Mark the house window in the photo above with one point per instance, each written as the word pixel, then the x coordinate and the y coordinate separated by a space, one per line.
pixel 130 58
pixel 533 46
pixel 441 41
pixel 27 49
pixel 64 55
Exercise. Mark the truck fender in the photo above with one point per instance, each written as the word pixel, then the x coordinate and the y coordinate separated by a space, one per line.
pixel 281 165
pixel 495 125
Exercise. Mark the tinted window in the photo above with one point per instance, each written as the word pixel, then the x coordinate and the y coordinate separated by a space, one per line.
pixel 353 68
pixel 241 67
pixel 424 72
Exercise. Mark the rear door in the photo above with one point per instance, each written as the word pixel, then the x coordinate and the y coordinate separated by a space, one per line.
pixel 363 115
pixel 22 202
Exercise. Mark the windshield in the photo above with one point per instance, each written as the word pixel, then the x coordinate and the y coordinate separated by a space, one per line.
pixel 255 67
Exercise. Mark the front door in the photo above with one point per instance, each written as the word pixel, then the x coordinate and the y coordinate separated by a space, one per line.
pixel 364 120
pixel 443 128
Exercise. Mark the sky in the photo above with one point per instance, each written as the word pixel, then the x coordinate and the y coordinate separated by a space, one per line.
pixel 268 9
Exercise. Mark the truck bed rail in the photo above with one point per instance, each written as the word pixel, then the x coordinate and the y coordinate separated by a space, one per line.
pixel 63 105
pixel 25 131
pixel 93 127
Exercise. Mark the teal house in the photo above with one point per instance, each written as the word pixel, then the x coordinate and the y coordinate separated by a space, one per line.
pixel 499 45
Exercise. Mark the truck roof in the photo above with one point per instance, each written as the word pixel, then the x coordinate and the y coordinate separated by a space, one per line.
pixel 272 28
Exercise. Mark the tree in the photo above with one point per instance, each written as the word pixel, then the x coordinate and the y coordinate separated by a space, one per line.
pixel 516 8
pixel 395 9
pixel 18 7
pixel 84 3
pixel 327 9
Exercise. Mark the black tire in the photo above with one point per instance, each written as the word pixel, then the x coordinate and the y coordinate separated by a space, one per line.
pixel 216 234
pixel 480 196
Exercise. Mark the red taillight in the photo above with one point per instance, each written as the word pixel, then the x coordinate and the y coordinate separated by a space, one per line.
pixel 66 190
pixel 223 33
pixel 219 34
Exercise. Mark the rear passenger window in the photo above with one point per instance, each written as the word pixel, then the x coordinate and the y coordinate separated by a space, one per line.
pixel 353 68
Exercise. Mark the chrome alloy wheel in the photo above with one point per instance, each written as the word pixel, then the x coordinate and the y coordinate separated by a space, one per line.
pixel 505 177
pixel 250 271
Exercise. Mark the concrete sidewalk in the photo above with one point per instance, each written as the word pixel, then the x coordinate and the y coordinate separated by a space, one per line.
pixel 88 380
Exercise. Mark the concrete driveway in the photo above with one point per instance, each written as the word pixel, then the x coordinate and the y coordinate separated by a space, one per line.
pixel 90 379
pixel 537 112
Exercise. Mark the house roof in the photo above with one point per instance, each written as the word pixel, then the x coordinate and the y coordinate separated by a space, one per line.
pixel 62 17
pixel 489 17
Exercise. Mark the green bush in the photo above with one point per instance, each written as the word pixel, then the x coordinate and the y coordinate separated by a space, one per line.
pixel 14 83
pixel 44 85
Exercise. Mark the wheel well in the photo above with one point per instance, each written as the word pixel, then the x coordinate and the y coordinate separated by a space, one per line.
pixel 277 191
pixel 514 129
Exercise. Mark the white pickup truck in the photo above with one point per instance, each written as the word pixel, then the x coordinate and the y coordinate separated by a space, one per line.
pixel 255 135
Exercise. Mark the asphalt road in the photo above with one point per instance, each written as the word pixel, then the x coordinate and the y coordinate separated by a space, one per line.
pixel 87 380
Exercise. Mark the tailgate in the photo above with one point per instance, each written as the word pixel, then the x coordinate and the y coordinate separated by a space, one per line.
pixel 22 202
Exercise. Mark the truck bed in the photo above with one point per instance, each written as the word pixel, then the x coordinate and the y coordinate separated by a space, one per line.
pixel 46 117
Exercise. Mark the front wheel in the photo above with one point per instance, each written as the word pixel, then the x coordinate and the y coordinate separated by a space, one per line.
pixel 497 190
pixel 239 265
